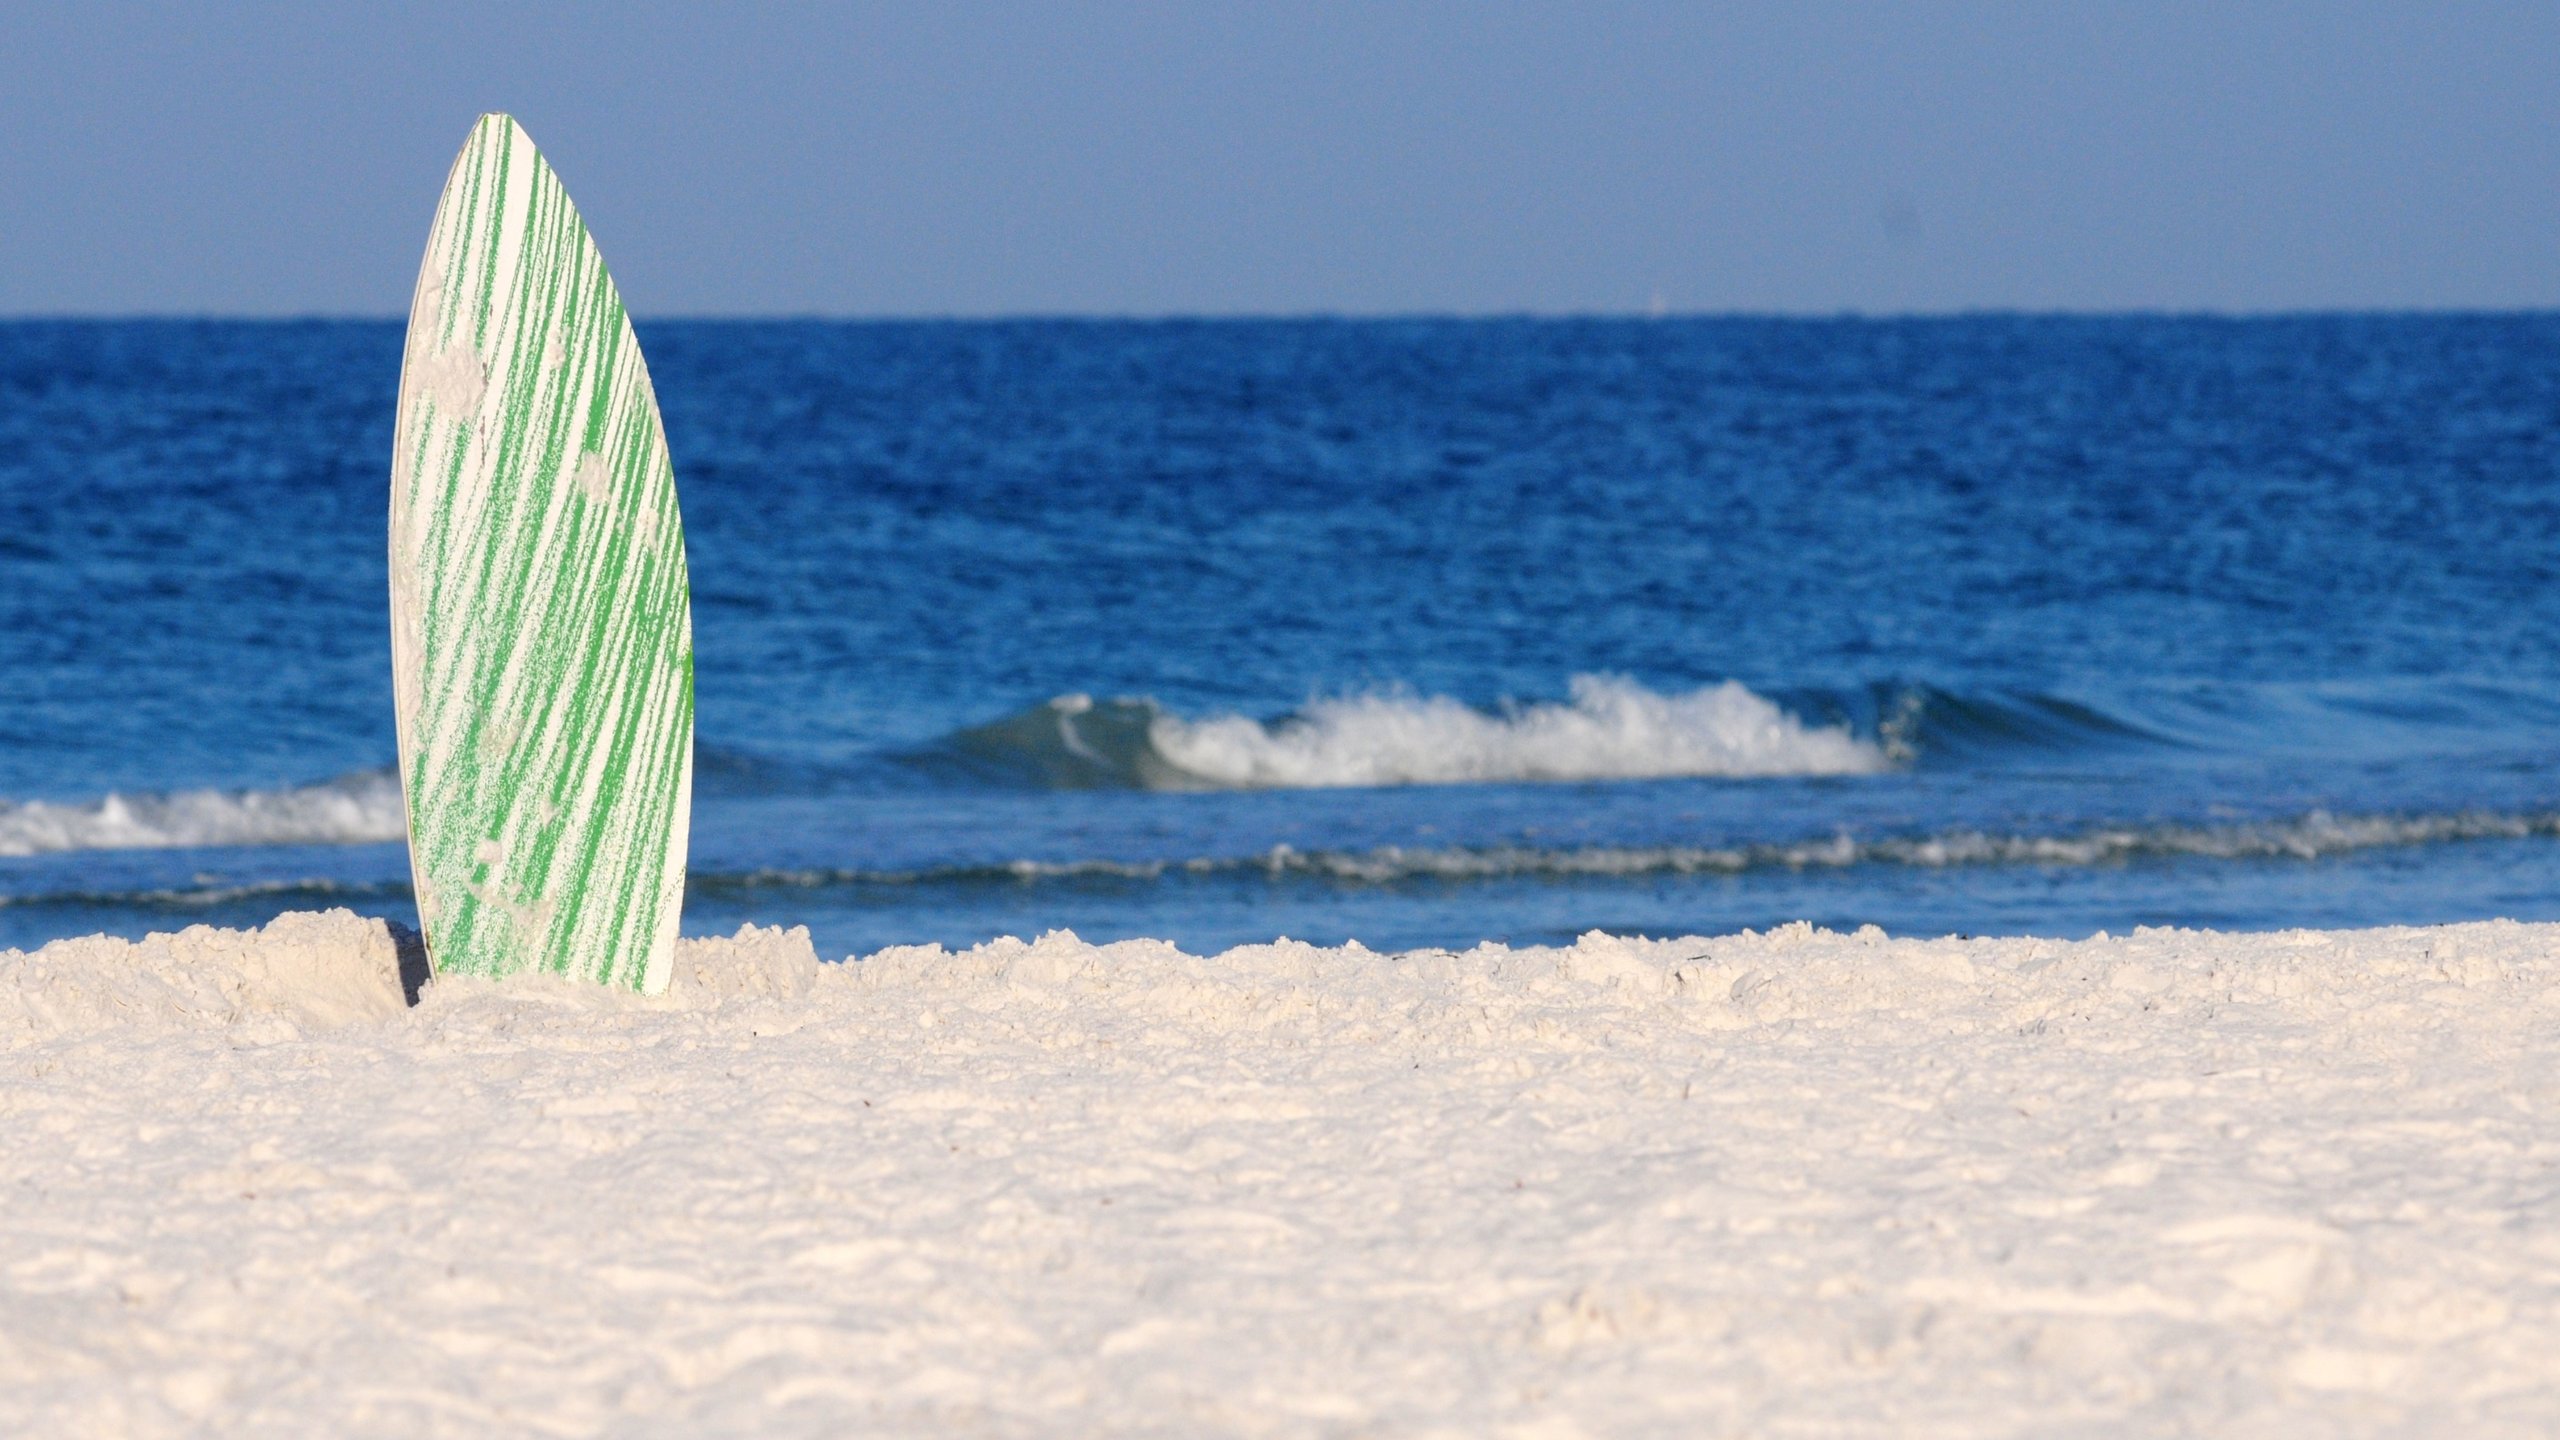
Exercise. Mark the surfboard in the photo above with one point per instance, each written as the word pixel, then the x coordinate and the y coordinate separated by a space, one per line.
pixel 541 623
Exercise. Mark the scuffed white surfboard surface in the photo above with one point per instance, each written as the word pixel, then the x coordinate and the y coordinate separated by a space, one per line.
pixel 541 628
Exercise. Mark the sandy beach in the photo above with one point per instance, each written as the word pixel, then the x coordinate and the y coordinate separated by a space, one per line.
pixel 1786 1183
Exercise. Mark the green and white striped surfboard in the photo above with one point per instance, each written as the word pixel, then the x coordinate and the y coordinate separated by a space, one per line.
pixel 541 631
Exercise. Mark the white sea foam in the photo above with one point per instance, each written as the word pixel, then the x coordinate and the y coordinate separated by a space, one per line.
pixel 1612 729
pixel 350 810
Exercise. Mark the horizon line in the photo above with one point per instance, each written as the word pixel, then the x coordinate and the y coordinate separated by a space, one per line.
pixel 1214 317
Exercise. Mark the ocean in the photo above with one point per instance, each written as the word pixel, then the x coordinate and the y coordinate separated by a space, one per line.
pixel 1411 632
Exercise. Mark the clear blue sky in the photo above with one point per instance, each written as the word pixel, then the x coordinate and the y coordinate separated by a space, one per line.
pixel 1137 158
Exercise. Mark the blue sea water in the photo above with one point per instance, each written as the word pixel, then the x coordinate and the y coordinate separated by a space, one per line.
pixel 1411 632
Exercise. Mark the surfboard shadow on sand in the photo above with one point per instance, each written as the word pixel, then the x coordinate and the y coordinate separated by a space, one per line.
pixel 411 948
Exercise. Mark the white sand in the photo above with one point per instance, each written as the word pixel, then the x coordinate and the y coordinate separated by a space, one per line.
pixel 1791 1184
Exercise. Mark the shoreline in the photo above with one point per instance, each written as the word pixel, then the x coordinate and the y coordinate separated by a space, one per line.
pixel 2172 1181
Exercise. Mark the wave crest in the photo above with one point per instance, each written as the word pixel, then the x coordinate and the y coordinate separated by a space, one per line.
pixel 1611 729
pixel 356 809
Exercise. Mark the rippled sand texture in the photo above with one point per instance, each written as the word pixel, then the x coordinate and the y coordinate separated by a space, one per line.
pixel 1798 1182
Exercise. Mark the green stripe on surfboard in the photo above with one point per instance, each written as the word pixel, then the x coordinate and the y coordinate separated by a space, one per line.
pixel 541 632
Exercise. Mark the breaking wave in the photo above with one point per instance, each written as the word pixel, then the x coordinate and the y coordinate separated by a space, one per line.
pixel 357 809
pixel 1611 729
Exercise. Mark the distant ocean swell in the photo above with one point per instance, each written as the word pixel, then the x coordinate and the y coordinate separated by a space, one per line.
pixel 2306 837
pixel 178 898
pixel 2309 837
